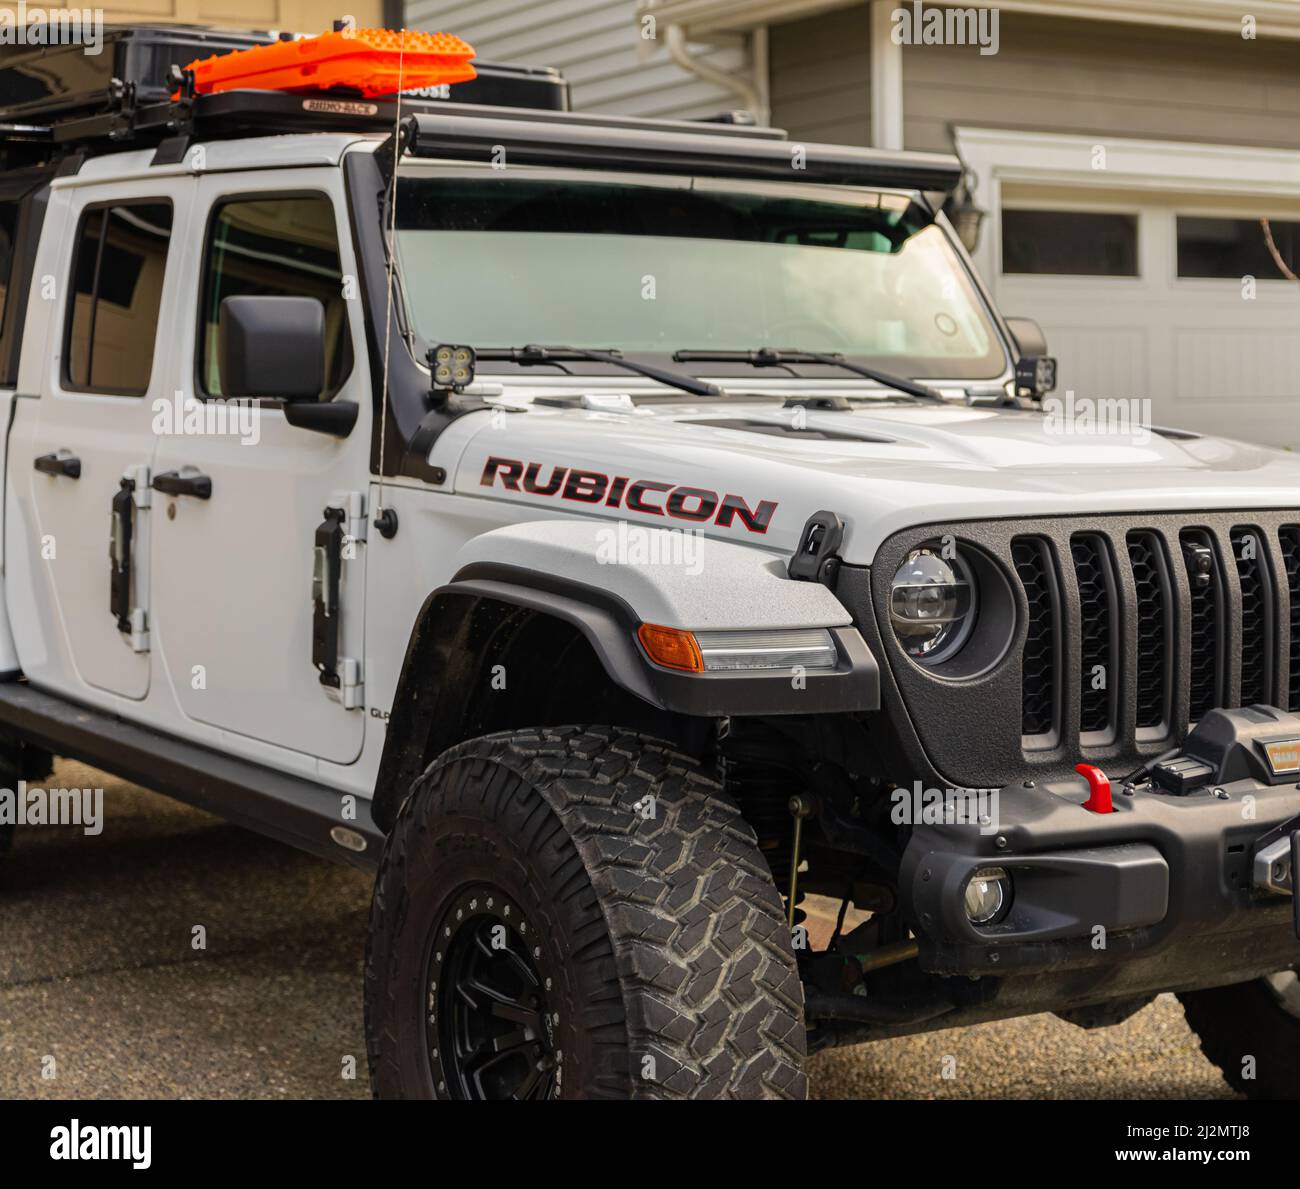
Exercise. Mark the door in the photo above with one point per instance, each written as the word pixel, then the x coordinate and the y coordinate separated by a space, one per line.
pixel 79 455
pixel 236 528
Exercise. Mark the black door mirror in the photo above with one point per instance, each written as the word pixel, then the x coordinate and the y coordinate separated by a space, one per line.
pixel 1035 368
pixel 272 347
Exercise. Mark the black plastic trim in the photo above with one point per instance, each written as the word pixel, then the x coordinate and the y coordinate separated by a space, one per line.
pixel 284 807
pixel 609 624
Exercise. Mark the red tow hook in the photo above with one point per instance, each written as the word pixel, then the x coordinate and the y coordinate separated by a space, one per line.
pixel 1099 783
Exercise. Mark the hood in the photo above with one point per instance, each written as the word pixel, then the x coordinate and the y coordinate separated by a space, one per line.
pixel 881 468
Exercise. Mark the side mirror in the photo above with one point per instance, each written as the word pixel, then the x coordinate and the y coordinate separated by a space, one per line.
pixel 1035 368
pixel 272 347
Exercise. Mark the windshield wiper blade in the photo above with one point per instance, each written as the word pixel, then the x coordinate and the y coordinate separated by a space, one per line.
pixel 770 357
pixel 534 355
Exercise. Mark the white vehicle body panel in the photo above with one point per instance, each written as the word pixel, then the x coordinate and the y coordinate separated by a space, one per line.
pixel 891 465
pixel 915 464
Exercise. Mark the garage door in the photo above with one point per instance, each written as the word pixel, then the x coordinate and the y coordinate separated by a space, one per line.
pixel 1169 296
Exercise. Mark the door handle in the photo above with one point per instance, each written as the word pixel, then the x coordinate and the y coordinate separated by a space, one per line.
pixel 175 483
pixel 59 464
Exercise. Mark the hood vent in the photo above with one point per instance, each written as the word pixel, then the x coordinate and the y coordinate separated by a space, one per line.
pixel 779 429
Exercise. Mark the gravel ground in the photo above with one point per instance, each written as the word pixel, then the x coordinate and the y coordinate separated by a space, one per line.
pixel 105 992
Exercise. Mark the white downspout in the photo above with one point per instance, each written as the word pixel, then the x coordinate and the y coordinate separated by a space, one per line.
pixel 886 78
pixel 751 96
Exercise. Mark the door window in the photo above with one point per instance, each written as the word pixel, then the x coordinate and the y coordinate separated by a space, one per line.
pixel 271 247
pixel 116 293
pixel 8 231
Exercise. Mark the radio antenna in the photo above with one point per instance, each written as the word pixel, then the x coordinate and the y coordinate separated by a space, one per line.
pixel 386 518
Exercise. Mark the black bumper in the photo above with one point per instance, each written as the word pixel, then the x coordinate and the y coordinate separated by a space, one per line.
pixel 1090 890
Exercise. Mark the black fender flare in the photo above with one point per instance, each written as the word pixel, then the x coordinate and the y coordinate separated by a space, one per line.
pixel 609 625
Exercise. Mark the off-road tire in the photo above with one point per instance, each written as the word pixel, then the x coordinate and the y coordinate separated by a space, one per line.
pixel 1249 1020
pixel 674 972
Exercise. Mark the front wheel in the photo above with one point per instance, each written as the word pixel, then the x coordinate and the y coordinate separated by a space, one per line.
pixel 1251 1031
pixel 578 913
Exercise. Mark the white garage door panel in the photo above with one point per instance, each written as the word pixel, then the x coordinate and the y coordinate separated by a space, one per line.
pixel 1208 355
pixel 1214 355
pixel 1254 365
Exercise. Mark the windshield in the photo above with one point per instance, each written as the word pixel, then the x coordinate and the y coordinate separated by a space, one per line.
pixel 654 266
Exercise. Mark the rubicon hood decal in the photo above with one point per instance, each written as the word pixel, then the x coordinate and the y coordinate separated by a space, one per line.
pixel 649 496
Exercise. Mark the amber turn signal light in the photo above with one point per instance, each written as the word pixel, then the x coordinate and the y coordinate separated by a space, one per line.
pixel 671 648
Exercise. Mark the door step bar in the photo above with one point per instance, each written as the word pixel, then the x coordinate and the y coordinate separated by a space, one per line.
pixel 284 807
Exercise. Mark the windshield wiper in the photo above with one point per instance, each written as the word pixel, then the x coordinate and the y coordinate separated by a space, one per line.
pixel 533 356
pixel 770 357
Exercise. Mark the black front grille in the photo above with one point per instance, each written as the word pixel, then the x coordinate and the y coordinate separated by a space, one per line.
pixel 1290 538
pixel 1097 637
pixel 1154 620
pixel 1119 634
pixel 1038 675
pixel 1206 626
pixel 1250 552
pixel 1170 622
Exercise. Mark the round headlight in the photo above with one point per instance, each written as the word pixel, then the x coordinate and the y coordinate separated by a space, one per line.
pixel 932 604
pixel 988 895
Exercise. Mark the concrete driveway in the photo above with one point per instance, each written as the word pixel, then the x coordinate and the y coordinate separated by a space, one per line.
pixel 103 993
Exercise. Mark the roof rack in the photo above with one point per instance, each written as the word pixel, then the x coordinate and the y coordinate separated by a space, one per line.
pixel 55 100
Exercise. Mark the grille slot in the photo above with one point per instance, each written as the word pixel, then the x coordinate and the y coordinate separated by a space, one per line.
pixel 1154 629
pixel 1249 551
pixel 1098 635
pixel 1206 677
pixel 1290 539
pixel 1039 661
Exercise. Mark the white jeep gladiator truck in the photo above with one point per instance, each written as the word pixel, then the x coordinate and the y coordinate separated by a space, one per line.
pixel 611 532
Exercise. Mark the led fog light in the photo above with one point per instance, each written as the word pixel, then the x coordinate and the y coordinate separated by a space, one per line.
pixel 988 896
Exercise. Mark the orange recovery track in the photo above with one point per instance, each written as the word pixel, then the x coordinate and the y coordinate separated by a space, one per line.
pixel 364 60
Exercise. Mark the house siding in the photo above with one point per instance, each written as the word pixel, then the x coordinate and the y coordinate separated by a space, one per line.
pixel 1086 77
pixel 596 44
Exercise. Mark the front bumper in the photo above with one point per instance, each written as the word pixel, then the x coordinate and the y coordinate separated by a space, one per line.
pixel 1092 889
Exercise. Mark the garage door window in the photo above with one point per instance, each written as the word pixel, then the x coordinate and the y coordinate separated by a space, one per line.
pixel 1236 248
pixel 1069 243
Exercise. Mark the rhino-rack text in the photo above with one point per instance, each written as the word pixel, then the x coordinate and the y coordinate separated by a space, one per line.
pixel 697 504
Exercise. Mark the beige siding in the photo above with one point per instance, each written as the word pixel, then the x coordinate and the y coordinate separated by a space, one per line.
pixel 594 42
pixel 1086 77
pixel 303 16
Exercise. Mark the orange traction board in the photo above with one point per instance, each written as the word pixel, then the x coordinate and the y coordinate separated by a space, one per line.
pixel 367 60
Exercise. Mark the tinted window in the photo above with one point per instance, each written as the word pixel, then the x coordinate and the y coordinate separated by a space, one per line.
pixel 1236 248
pixel 1069 243
pixel 8 229
pixel 275 247
pixel 117 279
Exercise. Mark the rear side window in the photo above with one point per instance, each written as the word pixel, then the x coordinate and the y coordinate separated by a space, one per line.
pixel 8 232
pixel 275 247
pixel 117 280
